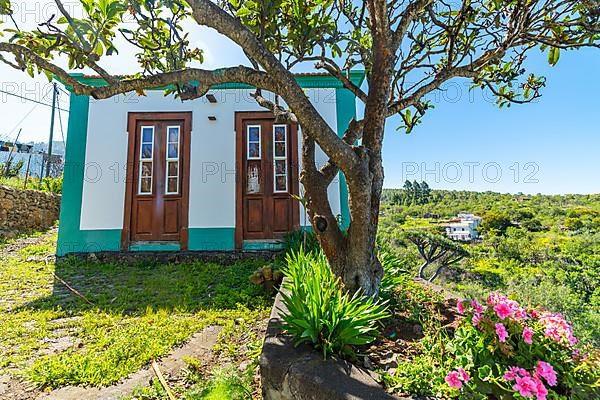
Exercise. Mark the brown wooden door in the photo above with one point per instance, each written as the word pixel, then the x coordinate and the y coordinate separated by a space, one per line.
pixel 159 148
pixel 269 177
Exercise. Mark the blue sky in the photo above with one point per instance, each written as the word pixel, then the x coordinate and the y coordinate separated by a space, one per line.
pixel 555 141
pixel 466 142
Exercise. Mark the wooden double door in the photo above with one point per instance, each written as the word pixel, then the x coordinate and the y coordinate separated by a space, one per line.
pixel 267 178
pixel 156 208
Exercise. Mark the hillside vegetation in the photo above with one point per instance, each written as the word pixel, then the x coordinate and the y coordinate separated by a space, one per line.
pixel 540 250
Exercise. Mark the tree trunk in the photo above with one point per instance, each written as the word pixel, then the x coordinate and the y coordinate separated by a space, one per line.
pixel 352 254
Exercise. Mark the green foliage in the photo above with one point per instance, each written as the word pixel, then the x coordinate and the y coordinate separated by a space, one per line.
pixel 495 223
pixel 532 252
pixel 321 313
pixel 412 193
pixel 224 383
pixel 393 267
pixel 296 26
pixel 480 347
pixel 52 185
pixel 10 170
pixel 302 238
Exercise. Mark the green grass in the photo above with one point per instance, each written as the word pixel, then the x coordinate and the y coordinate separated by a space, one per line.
pixel 138 313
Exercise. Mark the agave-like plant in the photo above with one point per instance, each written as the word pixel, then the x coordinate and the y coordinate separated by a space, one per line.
pixel 320 312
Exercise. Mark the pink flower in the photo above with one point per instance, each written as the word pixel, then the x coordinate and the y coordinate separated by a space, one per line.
pixel 520 313
pixel 503 310
pixel 557 328
pixel 494 298
pixel 528 335
pixel 540 390
pixel 461 307
pixel 477 307
pixel 513 373
pixel 476 319
pixel 525 385
pixel 547 372
pixel 456 378
pixel 464 375
pixel 501 332
pixel 453 379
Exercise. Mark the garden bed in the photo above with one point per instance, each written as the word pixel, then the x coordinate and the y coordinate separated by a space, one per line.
pixel 422 342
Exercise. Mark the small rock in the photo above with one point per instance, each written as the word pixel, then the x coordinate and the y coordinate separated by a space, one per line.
pixel 367 362
pixel 389 362
pixel 244 365
pixel 238 321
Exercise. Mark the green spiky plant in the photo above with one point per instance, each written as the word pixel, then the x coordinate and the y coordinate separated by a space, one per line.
pixel 321 313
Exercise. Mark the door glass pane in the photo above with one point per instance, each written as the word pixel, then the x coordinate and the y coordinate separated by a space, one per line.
pixel 280 167
pixel 172 185
pixel 280 172
pixel 147 133
pixel 280 150
pixel 253 134
pixel 174 134
pixel 253 150
pixel 173 150
pixel 172 167
pixel 146 185
pixel 145 160
pixel 253 179
pixel 147 169
pixel 281 183
pixel 147 151
pixel 280 133
pixel 254 145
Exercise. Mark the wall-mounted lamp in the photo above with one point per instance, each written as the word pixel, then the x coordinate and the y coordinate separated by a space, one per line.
pixel 211 98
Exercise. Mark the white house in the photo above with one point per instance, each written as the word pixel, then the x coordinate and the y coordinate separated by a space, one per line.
pixel 153 173
pixel 463 227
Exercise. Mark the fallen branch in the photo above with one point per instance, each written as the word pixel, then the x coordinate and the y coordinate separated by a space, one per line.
pixel 162 381
pixel 73 290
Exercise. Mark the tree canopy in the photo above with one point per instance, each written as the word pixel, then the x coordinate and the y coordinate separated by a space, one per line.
pixel 408 49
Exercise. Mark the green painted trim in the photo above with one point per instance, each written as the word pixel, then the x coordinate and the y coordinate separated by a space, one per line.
pixel 305 81
pixel 155 247
pixel 345 104
pixel 70 209
pixel 87 241
pixel 263 246
pixel 211 238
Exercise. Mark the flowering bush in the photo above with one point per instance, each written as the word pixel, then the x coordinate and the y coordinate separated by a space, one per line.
pixel 504 350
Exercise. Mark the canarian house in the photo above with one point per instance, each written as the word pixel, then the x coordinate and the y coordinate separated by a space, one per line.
pixel 153 173
pixel 463 227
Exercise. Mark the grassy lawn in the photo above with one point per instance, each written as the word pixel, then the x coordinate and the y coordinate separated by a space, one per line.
pixel 53 338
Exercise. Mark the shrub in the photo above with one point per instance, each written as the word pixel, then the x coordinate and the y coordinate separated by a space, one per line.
pixel 507 351
pixel 320 312
pixel 52 185
pixel 10 170
pixel 302 238
pixel 394 268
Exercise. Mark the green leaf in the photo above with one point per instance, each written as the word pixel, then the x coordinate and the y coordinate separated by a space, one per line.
pixel 484 373
pixel 553 55
pixel 242 12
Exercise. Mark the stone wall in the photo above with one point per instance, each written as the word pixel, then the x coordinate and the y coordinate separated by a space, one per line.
pixel 26 210
pixel 300 373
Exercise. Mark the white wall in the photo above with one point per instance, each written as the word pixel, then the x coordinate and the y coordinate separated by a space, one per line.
pixel 212 164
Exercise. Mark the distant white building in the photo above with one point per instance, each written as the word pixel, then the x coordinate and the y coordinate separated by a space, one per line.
pixel 463 227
